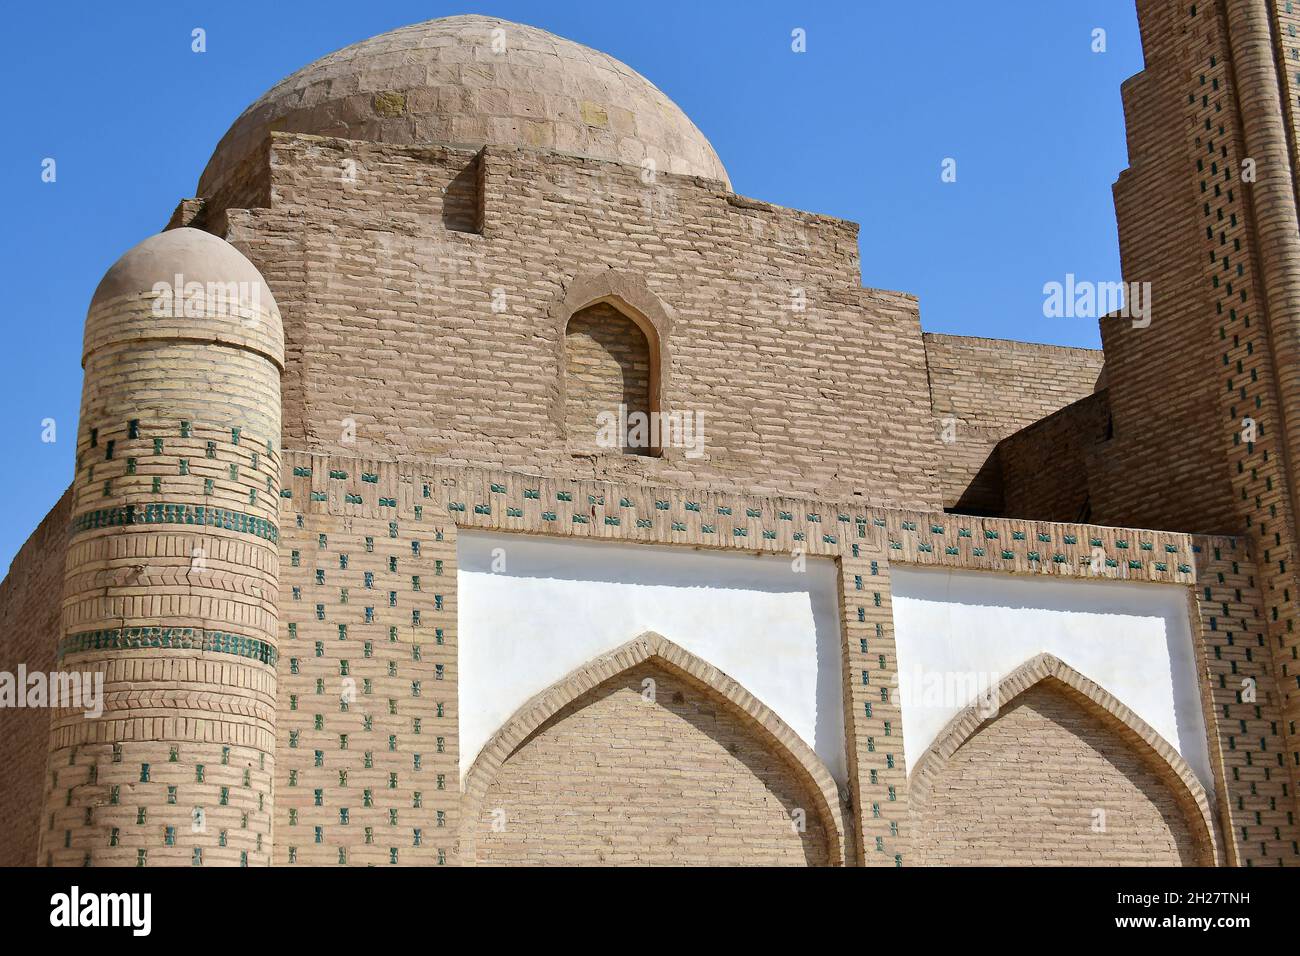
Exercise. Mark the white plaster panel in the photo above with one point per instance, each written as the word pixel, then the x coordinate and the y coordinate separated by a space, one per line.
pixel 1132 639
pixel 559 603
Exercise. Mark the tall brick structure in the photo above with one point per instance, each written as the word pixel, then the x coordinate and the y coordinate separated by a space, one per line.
pixel 171 584
pixel 379 570
pixel 1207 215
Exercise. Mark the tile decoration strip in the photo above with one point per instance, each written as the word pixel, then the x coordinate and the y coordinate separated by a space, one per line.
pixel 174 638
pixel 168 513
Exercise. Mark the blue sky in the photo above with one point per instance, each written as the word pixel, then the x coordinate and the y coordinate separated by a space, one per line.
pixel 857 127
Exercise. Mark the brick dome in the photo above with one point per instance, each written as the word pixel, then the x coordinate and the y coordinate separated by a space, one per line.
pixel 444 81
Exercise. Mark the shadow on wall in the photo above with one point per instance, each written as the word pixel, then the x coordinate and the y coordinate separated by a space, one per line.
pixel 608 364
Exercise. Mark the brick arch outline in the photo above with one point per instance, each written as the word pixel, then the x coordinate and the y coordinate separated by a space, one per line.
pixel 658 650
pixel 1158 753
pixel 631 296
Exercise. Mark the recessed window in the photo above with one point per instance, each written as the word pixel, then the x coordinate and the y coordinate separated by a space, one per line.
pixel 609 383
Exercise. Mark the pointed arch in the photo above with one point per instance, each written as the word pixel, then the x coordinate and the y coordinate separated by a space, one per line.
pixel 653 648
pixel 1157 752
pixel 629 295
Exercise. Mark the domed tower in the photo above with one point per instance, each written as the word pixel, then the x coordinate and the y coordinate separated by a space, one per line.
pixel 171 580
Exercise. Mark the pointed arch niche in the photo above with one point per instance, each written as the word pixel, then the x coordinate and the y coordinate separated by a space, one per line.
pixel 612 351
pixel 650 755
pixel 1060 773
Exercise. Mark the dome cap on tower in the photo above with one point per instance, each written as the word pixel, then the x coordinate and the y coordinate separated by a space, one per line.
pixel 185 284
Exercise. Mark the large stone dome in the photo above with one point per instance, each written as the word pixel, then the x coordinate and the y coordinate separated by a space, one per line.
pixel 459 81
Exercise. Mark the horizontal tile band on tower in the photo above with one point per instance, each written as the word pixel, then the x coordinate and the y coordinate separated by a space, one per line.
pixel 175 638
pixel 165 513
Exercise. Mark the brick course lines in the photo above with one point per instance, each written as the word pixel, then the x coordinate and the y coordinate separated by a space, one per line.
pixel 1022 786
pixel 176 486
pixel 787 796
pixel 613 780
pixel 281 624
pixel 1027 789
pixel 30 622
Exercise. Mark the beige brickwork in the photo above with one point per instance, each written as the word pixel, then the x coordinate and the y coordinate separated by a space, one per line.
pixel 984 390
pixel 607 365
pixel 258 551
pixel 866 542
pixel 1034 485
pixel 1218 63
pixel 651 769
pixel 30 621
pixel 391 323
pixel 1047 782
pixel 170 584
pixel 367 758
pixel 1207 215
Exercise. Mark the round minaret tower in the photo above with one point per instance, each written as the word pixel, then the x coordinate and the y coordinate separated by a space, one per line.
pixel 172 572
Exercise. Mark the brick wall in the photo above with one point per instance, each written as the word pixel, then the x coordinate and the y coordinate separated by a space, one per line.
pixel 169 587
pixel 807 381
pixel 368 768
pixel 1208 389
pixel 1163 379
pixel 820 401
pixel 1045 466
pixel 607 364
pixel 29 620
pixel 1241 702
pixel 1025 790
pixel 1248 738
pixel 867 543
pixel 660 773
pixel 993 388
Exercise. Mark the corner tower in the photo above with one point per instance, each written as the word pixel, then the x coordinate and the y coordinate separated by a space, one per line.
pixel 172 572
pixel 1207 215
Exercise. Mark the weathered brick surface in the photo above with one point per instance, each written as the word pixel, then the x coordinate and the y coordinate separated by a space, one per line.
pixel 408 498
pixel 1163 383
pixel 1036 482
pixel 649 769
pixel 170 582
pixel 435 377
pixel 29 621
pixel 1050 783
pixel 607 364
pixel 469 79
pixel 367 757
pixel 1207 214
pixel 1229 361
pixel 1243 707
pixel 989 389
pixel 390 319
